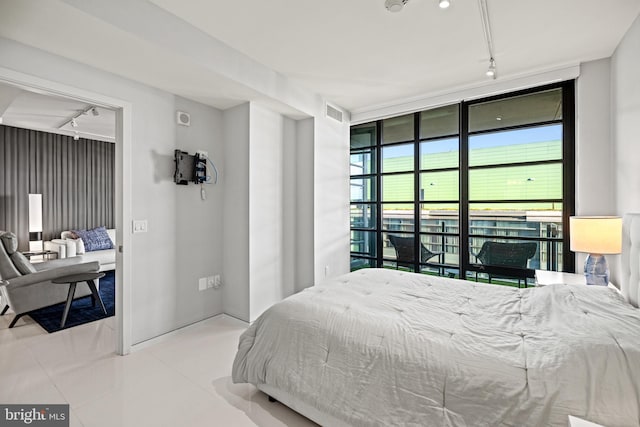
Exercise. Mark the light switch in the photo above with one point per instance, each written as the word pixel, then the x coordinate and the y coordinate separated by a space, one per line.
pixel 140 226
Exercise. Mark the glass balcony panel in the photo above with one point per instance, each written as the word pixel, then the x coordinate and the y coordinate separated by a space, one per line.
pixel 358 263
pixel 363 216
pixel 363 243
pixel 398 217
pixel 441 219
pixel 389 252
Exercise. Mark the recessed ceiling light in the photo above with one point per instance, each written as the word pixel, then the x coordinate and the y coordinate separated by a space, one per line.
pixel 499 118
pixel 394 5
pixel 444 4
pixel 95 112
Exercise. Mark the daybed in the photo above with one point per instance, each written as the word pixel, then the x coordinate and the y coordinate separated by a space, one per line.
pixel 68 246
pixel 382 347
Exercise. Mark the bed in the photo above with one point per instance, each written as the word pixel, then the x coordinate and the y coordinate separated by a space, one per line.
pixel 383 347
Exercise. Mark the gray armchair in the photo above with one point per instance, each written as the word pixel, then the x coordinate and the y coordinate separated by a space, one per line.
pixel 27 286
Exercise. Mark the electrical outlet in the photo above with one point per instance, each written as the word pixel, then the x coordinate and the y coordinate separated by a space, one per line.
pixel 217 281
pixel 210 282
pixel 202 284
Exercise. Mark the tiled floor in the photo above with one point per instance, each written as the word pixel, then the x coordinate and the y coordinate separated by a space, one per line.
pixel 178 380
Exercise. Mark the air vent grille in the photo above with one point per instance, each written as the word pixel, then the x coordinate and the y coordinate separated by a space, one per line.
pixel 334 113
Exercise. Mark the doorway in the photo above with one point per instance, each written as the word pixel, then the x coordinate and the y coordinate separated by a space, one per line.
pixel 122 187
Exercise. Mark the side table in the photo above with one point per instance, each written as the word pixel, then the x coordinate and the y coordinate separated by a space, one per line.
pixel 544 278
pixel 42 255
pixel 579 422
pixel 73 280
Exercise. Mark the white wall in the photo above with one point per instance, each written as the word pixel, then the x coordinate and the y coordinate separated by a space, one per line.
pixel 304 225
pixel 593 154
pixel 290 172
pixel 331 198
pixel 266 209
pixel 268 221
pixel 198 222
pixel 594 157
pixel 162 297
pixel 625 103
pixel 236 212
pixel 625 85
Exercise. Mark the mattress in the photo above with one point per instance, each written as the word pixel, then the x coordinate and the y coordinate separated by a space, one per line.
pixel 383 347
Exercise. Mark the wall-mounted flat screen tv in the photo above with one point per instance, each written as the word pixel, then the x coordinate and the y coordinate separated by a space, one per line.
pixel 185 167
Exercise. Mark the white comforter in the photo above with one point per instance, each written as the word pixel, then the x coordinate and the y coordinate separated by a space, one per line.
pixel 386 348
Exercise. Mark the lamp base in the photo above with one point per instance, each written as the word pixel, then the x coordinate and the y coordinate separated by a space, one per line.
pixel 596 270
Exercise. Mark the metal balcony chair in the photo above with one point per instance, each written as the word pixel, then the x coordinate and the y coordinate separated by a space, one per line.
pixel 404 247
pixel 515 255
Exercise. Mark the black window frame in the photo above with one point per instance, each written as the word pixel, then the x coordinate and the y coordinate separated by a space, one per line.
pixel 464 233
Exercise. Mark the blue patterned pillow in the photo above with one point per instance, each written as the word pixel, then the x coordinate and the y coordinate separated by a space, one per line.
pixel 95 239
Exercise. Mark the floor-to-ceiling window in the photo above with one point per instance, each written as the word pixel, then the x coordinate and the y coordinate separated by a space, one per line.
pixel 482 188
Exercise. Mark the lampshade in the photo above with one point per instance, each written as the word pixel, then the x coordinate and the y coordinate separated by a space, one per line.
pixel 35 212
pixel 596 234
pixel 35 222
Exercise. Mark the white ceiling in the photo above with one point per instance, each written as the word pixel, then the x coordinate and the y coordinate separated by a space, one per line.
pixel 28 109
pixel 358 54
pixel 353 53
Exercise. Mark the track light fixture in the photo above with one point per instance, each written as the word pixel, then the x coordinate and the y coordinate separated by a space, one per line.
pixel 486 29
pixel 395 5
pixel 72 121
pixel 491 71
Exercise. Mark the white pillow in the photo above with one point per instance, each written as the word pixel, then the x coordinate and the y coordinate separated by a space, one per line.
pixel 71 248
pixel 79 246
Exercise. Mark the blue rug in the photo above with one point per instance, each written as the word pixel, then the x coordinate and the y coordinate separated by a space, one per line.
pixel 81 311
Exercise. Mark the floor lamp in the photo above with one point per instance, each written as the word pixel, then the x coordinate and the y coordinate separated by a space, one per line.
pixel 35 222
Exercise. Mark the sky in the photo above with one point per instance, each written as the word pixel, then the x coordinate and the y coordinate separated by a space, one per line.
pixel 493 139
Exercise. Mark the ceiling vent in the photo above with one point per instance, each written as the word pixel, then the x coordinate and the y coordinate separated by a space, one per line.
pixel 334 113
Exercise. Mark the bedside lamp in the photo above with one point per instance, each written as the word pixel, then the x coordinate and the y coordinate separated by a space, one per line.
pixel 597 236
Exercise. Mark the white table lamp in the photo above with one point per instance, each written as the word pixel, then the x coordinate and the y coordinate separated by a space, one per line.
pixel 596 236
